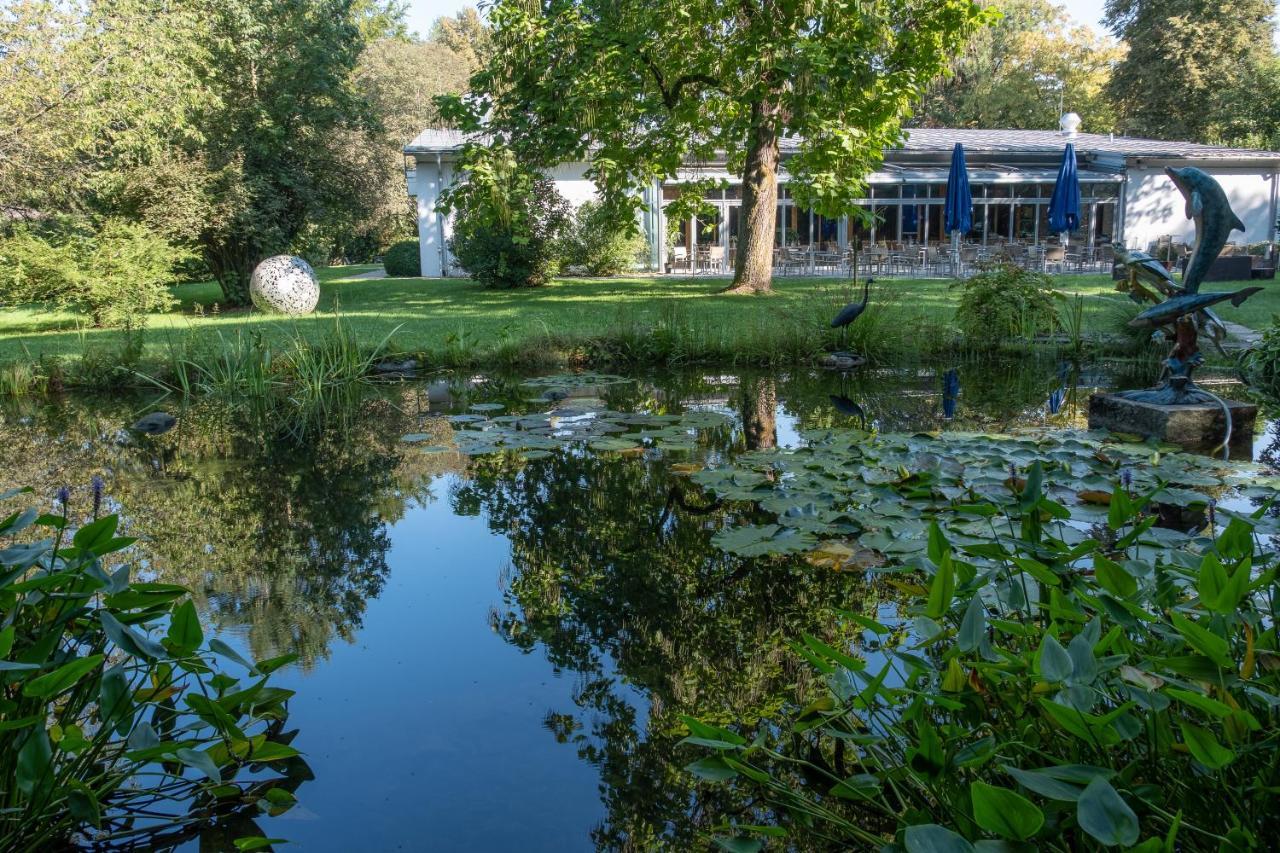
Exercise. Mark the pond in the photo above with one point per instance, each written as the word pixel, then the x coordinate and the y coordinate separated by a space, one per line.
pixel 495 646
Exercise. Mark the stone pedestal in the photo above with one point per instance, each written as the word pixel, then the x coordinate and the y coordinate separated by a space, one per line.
pixel 1196 428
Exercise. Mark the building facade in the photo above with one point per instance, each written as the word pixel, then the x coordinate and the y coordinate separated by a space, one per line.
pixel 1125 195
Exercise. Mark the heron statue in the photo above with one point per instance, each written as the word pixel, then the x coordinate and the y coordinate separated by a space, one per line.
pixel 847 315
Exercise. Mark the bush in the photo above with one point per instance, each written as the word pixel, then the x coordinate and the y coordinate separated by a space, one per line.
pixel 118 716
pixel 117 272
pixel 510 221
pixel 1005 302
pixel 402 260
pixel 599 245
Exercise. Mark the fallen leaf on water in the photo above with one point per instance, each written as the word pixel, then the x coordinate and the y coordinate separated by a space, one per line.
pixel 1095 497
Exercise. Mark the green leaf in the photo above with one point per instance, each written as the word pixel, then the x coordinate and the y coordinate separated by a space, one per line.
pixel 83 805
pixel 1205 747
pixel 1055 663
pixel 1102 813
pixel 974 625
pixel 219 647
pixel 96 534
pixel 712 769
pixel 200 761
pixel 185 632
pixel 739 844
pixel 256 842
pixel 272 751
pixel 1206 642
pixel 942 589
pixel 931 838
pixel 1212 580
pixel 53 683
pixel 34 760
pixel 1004 812
pixel 128 640
pixel 1113 578
pixel 862 786
pixel 1205 703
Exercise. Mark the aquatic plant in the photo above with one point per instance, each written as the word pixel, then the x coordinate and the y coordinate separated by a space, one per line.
pixel 1260 364
pixel 118 722
pixel 1084 653
pixel 1005 302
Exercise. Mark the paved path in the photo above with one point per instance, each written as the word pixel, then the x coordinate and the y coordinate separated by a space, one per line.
pixel 370 275
pixel 1240 337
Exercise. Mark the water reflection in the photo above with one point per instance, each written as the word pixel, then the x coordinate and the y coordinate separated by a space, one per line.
pixel 607 577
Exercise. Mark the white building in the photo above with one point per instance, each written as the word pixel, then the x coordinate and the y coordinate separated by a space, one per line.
pixel 1125 195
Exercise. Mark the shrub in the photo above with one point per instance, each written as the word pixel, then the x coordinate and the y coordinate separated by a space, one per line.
pixel 118 271
pixel 597 243
pixel 402 260
pixel 510 221
pixel 1005 302
pixel 118 716
pixel 1260 365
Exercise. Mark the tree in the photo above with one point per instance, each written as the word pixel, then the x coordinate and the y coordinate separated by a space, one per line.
pixel 262 168
pixel 641 87
pixel 1190 66
pixel 87 87
pixel 1024 72
pixel 465 34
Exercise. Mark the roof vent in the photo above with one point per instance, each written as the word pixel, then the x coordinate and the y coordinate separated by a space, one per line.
pixel 1069 124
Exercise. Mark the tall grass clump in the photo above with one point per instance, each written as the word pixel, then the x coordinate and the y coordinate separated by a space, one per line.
pixel 120 725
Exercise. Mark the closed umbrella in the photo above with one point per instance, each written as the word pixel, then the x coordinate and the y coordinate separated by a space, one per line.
pixel 1064 206
pixel 959 210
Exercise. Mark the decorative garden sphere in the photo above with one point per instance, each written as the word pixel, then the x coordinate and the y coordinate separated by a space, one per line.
pixel 286 284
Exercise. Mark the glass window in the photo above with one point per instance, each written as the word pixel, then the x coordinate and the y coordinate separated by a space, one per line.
pixel 780 226
pixel 998 191
pixel 1024 226
pixel 670 192
pixel 1027 190
pixel 733 192
pixel 709 230
pixel 998 220
pixel 799 225
pixel 938 190
pixel 1104 223
pixel 886 223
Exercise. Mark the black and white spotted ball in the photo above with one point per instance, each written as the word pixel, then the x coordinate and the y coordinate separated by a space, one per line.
pixel 285 284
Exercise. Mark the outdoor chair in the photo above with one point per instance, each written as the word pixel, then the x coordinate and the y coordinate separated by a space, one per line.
pixel 1053 256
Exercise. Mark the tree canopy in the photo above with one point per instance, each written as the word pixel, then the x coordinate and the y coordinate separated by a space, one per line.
pixel 1195 69
pixel 640 87
pixel 1024 71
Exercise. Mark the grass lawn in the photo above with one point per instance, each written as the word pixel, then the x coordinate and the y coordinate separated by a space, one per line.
pixel 456 317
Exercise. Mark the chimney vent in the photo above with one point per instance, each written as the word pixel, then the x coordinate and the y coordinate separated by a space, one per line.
pixel 1069 125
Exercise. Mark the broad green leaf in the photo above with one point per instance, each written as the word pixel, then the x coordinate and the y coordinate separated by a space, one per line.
pixel 1113 578
pixel 255 842
pixel 185 632
pixel 219 647
pixel 83 805
pixel 1203 640
pixel 863 786
pixel 34 760
pixel 1105 815
pixel 1004 812
pixel 931 838
pixel 1205 703
pixel 712 768
pixel 739 844
pixel 96 534
pixel 53 683
pixel 1055 663
pixel 974 625
pixel 200 761
pixel 1205 747
pixel 128 640
pixel 941 590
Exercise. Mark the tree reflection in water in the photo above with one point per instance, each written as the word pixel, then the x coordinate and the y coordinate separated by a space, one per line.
pixel 279 542
pixel 615 579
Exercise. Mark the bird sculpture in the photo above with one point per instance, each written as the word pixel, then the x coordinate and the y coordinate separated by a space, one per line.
pixel 1184 311
pixel 156 423
pixel 853 310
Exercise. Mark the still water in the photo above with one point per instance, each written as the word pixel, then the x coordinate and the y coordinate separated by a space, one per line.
pixel 495 649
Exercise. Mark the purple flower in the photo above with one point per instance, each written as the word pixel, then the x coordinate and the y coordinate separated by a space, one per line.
pixel 98 487
pixel 1013 471
pixel 1213 505
pixel 63 496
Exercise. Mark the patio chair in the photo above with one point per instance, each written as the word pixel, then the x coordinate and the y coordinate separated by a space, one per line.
pixel 1053 256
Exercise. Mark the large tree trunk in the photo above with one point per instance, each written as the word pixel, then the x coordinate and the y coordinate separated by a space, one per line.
pixel 754 267
pixel 232 269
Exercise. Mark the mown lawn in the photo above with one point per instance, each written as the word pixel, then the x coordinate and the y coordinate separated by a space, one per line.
pixel 431 316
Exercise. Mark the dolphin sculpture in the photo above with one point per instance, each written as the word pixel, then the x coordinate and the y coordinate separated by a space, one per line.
pixel 1207 204
pixel 1171 309
pixel 1148 270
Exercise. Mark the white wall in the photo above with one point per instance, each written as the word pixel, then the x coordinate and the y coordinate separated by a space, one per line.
pixel 572 183
pixel 1154 208
pixel 428 182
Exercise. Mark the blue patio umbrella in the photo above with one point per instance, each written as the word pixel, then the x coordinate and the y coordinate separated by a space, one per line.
pixel 1064 206
pixel 959 209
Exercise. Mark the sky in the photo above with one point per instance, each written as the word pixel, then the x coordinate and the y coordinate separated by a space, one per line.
pixel 423 12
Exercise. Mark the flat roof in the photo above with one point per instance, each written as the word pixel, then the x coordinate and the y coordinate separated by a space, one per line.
pixel 940 140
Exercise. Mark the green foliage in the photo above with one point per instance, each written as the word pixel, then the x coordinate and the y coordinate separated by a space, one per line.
pixel 1220 57
pixel 1023 71
pixel 116 271
pixel 509 221
pixel 116 704
pixel 1061 668
pixel 1005 302
pixel 595 242
pixel 403 260
pixel 1260 364
pixel 638 88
